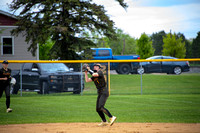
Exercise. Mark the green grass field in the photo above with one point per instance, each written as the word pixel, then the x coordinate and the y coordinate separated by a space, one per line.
pixel 166 98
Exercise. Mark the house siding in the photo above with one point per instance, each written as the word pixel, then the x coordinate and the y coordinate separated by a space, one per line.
pixel 20 48
pixel 7 21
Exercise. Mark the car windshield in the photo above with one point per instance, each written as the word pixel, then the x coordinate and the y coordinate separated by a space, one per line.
pixel 54 67
pixel 169 57
pixel 154 57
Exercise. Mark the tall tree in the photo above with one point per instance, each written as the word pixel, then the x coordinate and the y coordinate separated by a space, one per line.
pixel 188 44
pixel 123 44
pixel 157 42
pixel 44 50
pixel 63 21
pixel 144 47
pixel 196 46
pixel 173 46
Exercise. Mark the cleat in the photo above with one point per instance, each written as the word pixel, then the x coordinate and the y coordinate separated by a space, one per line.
pixel 9 110
pixel 103 124
pixel 112 120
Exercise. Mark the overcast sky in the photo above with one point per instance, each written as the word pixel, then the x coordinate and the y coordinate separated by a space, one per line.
pixel 151 16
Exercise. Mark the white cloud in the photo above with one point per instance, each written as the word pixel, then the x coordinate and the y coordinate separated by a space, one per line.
pixel 138 19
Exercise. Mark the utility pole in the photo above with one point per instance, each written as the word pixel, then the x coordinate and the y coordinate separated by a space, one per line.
pixel 124 42
pixel 103 44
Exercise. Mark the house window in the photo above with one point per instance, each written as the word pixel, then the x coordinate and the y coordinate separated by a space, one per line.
pixel 7 45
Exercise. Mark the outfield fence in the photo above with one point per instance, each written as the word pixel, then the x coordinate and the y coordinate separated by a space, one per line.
pixel 118 84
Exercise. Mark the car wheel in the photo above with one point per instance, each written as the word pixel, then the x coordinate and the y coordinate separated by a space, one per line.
pixel 44 88
pixel 140 70
pixel 124 69
pixel 177 70
pixel 118 72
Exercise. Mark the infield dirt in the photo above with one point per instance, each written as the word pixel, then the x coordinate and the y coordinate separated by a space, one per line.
pixel 93 128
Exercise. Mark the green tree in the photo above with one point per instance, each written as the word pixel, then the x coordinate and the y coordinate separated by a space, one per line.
pixel 188 45
pixel 173 46
pixel 144 47
pixel 196 46
pixel 103 42
pixel 130 47
pixel 123 44
pixel 44 50
pixel 157 42
pixel 63 21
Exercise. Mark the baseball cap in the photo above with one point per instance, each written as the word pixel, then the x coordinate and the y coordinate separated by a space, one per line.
pixel 5 62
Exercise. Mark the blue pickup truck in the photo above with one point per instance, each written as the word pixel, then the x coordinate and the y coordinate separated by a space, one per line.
pixel 121 68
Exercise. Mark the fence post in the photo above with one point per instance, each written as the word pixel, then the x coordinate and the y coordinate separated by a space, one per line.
pixel 109 77
pixel 21 79
pixel 42 88
pixel 141 79
pixel 81 80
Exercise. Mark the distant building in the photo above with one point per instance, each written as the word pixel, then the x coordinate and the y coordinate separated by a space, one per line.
pixel 13 47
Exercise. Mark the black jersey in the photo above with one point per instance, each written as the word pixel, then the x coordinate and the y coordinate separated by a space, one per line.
pixel 99 81
pixel 5 73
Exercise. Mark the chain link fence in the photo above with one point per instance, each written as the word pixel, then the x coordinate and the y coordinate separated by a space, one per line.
pixel 64 78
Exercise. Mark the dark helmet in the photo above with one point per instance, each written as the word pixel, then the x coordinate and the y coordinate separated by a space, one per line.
pixel 97 64
pixel 5 62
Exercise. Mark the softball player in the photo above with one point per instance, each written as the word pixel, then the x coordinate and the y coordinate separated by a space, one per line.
pixel 99 81
pixel 5 79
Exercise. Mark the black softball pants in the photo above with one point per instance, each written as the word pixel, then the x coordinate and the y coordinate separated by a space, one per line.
pixel 5 88
pixel 101 101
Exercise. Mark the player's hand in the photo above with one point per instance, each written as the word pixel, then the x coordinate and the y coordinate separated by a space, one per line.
pixel 88 68
pixel 84 67
pixel 5 78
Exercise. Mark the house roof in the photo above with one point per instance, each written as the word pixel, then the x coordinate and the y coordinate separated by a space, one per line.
pixel 8 14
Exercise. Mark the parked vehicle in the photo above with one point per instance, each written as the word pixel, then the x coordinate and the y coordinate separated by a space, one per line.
pixel 47 77
pixel 171 67
pixel 121 68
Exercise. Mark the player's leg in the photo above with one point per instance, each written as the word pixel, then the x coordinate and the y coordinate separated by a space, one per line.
pixel 7 92
pixel 1 91
pixel 101 114
pixel 102 102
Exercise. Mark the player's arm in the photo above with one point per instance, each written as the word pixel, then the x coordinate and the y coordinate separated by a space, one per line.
pixel 90 71
pixel 98 74
pixel 86 77
pixel 2 76
pixel 95 75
